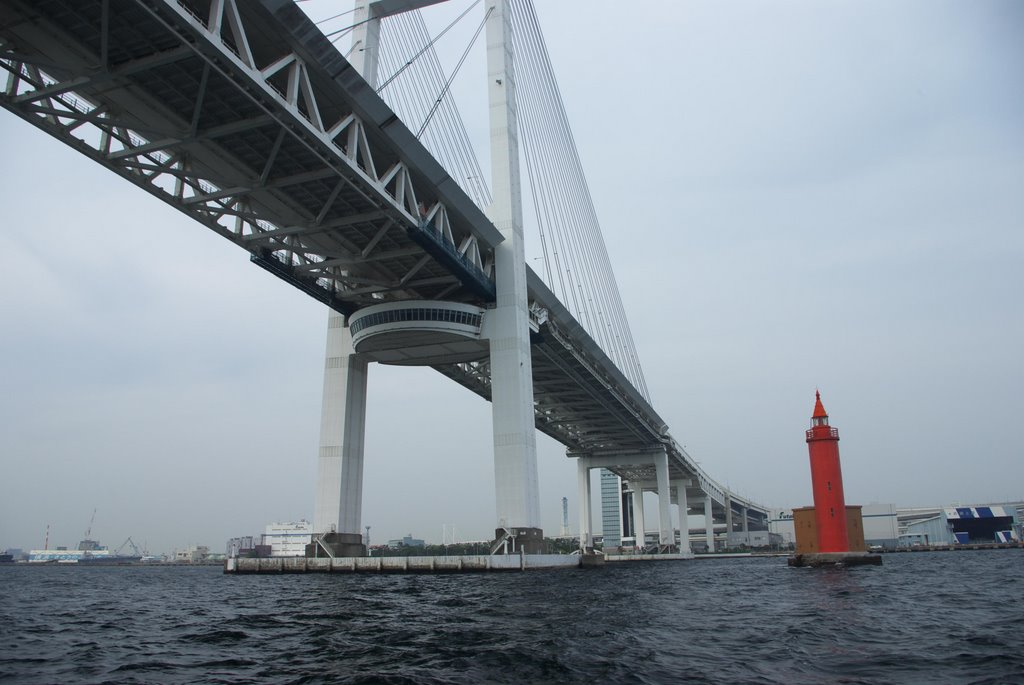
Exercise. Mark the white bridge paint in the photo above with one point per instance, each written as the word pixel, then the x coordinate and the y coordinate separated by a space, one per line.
pixel 420 332
pixel 516 482
pixel 338 505
pixel 340 467
pixel 162 167
pixel 665 489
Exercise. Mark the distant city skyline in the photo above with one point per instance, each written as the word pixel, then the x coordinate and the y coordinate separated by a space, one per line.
pixel 794 197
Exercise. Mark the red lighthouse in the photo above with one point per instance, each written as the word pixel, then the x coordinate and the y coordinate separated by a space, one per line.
pixel 827 482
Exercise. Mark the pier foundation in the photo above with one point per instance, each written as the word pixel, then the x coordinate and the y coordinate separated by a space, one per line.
pixel 835 559
pixel 337 545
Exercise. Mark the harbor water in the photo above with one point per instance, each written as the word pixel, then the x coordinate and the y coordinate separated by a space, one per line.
pixel 937 617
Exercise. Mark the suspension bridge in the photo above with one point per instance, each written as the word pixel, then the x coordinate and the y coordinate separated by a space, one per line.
pixel 351 177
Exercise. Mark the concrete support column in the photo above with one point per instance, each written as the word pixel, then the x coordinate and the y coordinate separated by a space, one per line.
pixel 365 53
pixel 665 536
pixel 746 524
pixel 638 514
pixel 337 507
pixel 517 488
pixel 339 494
pixel 583 481
pixel 709 523
pixel 728 518
pixel 684 518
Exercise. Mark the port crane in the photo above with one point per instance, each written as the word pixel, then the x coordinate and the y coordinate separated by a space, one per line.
pixel 87 543
pixel 88 531
pixel 130 543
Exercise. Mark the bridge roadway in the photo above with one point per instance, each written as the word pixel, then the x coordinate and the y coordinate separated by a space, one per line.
pixel 247 119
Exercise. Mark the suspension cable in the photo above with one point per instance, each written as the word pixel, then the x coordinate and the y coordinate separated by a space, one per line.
pixel 427 46
pixel 458 66
pixel 555 170
pixel 403 35
pixel 339 14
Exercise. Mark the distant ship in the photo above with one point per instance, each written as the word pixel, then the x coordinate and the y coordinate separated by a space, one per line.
pixel 104 558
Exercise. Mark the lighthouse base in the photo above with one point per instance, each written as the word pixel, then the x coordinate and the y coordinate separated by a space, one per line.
pixel 836 559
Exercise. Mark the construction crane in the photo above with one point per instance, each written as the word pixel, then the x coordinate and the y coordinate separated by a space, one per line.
pixel 130 543
pixel 88 530
pixel 87 542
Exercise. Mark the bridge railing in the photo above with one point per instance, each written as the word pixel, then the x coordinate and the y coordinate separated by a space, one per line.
pixel 429 235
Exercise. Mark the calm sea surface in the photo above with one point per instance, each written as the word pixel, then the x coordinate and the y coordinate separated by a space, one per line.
pixel 953 617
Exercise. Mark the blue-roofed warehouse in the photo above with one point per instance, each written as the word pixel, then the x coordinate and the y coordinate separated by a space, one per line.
pixel 964 525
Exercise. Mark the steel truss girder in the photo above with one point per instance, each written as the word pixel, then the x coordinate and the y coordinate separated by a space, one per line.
pixel 570 404
pixel 338 228
pixel 64 92
pixel 620 420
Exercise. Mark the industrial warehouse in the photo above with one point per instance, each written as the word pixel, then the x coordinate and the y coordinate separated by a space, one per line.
pixel 889 528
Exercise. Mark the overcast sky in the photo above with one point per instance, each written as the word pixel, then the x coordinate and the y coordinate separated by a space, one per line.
pixel 795 195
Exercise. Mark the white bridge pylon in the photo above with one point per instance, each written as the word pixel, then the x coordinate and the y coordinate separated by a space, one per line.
pixel 505 326
pixel 245 118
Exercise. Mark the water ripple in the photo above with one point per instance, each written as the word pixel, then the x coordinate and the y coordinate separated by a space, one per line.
pixel 913 620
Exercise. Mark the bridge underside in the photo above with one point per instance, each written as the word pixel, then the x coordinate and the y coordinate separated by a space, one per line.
pixel 584 410
pixel 244 117
pixel 256 135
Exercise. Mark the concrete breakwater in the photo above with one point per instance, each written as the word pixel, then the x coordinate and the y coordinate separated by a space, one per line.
pixel 432 564
pixel 453 564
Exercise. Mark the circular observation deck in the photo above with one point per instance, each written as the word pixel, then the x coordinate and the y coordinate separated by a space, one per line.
pixel 419 332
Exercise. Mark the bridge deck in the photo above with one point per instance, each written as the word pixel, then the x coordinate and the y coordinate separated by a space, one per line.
pixel 248 120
